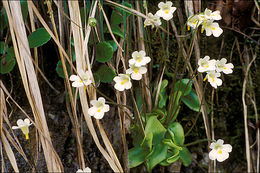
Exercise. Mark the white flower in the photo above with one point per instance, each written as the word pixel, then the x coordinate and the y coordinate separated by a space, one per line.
pixel 212 16
pixel 206 65
pixel 194 22
pixel 24 126
pixel 87 170
pixel 213 79
pixel 136 72
pixel 220 151
pixel 166 10
pixel 153 20
pixel 123 82
pixel 221 66
pixel 211 28
pixel 139 58
pixel 83 79
pixel 98 108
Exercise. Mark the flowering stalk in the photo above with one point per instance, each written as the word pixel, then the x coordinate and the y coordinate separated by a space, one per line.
pixel 139 119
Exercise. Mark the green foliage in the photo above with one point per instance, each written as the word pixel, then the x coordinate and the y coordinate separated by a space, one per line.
pixel 7 64
pixel 139 98
pixel 162 94
pixel 105 74
pixel 24 8
pixel 38 38
pixel 172 156
pixel 116 18
pixel 113 44
pixel 96 78
pixel 177 133
pixel 183 86
pixel 2 46
pixel 154 126
pixel 192 101
pixel 7 61
pixel 159 146
pixel 117 31
pixel 136 156
pixel 104 52
pixel 185 156
pixel 60 71
pixel 128 13
pixel 157 155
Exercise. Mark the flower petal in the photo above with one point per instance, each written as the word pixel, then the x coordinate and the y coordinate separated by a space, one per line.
pixel 92 111
pixel 117 79
pixel 220 141
pixel 131 61
pixel 142 70
pixel 128 85
pixel 15 127
pixel 106 108
pixel 134 54
pixel 227 147
pixel 87 170
pixel 213 154
pixel 169 3
pixel 161 4
pixel 88 82
pixel 27 122
pixel 222 157
pixel 147 59
pixel 142 53
pixel 136 76
pixel 93 102
pixel 119 87
pixel 129 71
pixel 74 78
pixel 20 122
pixel 77 84
pixel 102 100
pixel 99 115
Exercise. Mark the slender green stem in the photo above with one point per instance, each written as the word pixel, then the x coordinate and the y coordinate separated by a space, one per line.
pixel 198 141
pixel 170 113
pixel 197 116
pixel 110 100
pixel 139 119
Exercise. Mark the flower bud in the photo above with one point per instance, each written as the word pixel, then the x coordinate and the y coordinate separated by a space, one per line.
pixel 92 22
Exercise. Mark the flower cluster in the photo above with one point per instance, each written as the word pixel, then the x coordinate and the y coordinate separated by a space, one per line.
pixel 24 126
pixel 220 151
pixel 136 70
pixel 165 11
pixel 206 19
pixel 98 108
pixel 84 79
pixel 213 69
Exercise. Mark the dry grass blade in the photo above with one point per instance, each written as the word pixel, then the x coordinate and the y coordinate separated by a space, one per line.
pixel 81 63
pixel 75 118
pixel 9 152
pixel 248 158
pixel 6 145
pixel 146 91
pixel 23 57
pixel 109 28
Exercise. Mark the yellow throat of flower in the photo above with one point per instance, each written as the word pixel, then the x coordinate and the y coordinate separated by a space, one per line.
pixel 124 81
pixel 27 136
pixel 25 131
pixel 136 70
